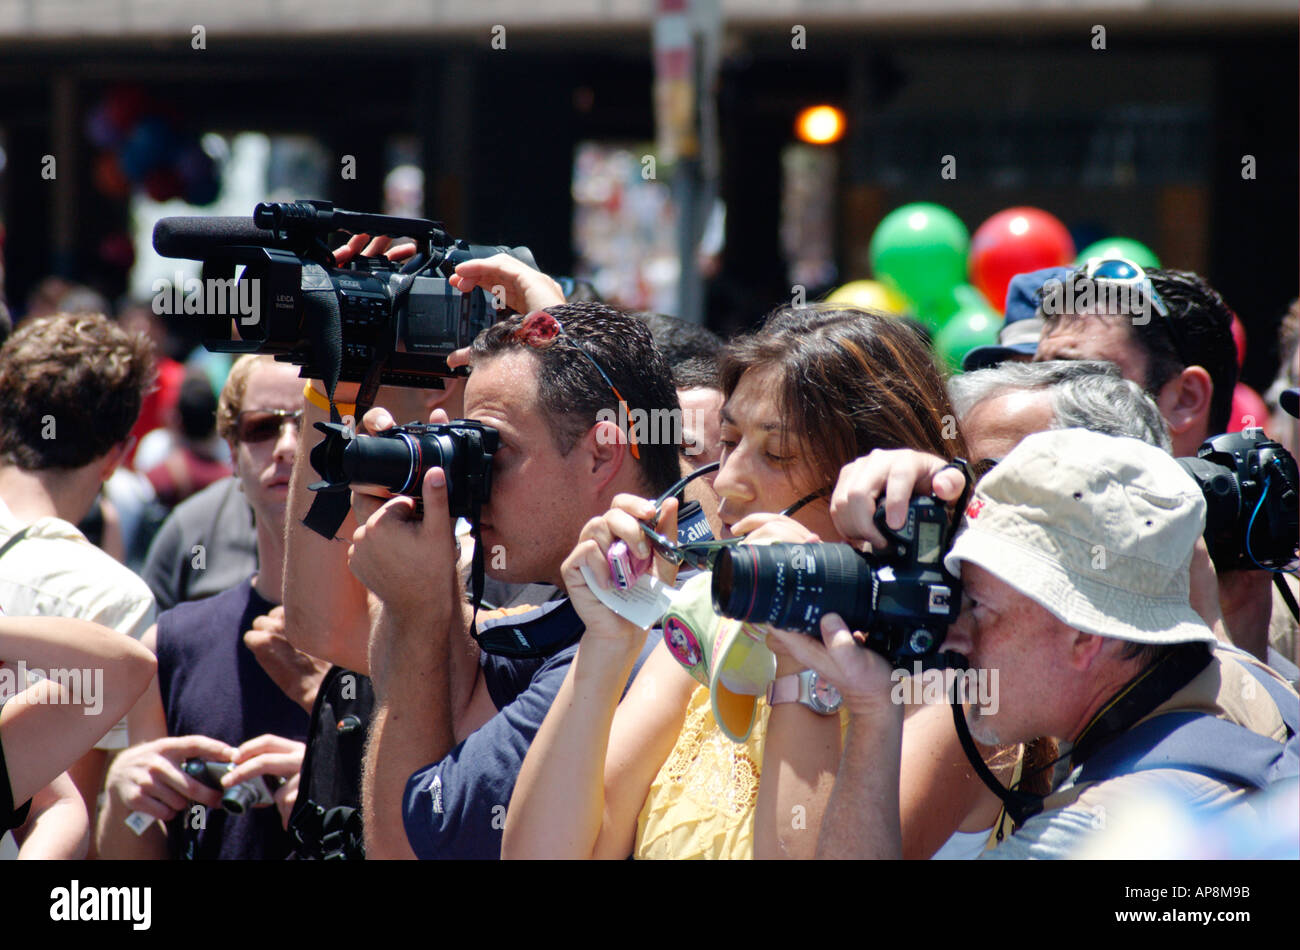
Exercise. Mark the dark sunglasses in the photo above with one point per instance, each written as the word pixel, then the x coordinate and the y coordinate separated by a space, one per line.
pixel 261 425
pixel 702 555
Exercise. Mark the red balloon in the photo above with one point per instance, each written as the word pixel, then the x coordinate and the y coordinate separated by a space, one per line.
pixel 1013 242
pixel 1248 409
pixel 1239 338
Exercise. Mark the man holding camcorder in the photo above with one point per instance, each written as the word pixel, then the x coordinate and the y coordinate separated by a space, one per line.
pixel 453 716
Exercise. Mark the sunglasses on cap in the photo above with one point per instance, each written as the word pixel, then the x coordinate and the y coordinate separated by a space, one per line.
pixel 701 555
pixel 261 425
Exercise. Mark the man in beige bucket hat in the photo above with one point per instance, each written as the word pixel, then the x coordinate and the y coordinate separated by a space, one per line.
pixel 1074 565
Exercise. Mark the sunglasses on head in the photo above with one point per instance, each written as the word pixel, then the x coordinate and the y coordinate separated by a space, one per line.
pixel 540 330
pixel 261 425
pixel 701 555
pixel 1125 273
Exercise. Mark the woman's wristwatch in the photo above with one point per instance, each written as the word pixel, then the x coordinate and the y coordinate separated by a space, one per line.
pixel 807 689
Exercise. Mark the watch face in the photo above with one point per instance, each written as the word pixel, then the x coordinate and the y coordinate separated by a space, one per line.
pixel 825 695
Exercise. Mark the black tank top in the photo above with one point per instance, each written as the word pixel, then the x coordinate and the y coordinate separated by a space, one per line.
pixel 212 685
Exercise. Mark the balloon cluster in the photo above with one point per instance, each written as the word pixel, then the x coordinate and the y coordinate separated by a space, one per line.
pixel 927 264
pixel 143 145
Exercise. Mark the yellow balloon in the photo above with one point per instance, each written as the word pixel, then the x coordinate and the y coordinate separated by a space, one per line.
pixel 872 295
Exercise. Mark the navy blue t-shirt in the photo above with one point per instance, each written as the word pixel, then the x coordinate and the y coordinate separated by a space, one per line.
pixel 456 808
pixel 212 685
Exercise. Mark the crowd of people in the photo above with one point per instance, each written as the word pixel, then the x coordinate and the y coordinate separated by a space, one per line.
pixel 268 692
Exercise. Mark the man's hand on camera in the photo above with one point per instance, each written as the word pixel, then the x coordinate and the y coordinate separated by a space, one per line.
pixel 896 475
pixel 364 245
pixel 409 563
pixel 270 755
pixel 512 282
pixel 148 777
pixel 863 676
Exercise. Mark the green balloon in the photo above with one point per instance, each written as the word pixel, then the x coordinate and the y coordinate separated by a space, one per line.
pixel 920 249
pixel 1127 248
pixel 963 298
pixel 967 329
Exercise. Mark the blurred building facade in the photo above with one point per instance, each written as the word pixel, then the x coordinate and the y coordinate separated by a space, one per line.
pixel 496 101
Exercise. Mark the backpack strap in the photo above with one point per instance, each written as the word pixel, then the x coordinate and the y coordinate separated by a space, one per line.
pixel 1202 743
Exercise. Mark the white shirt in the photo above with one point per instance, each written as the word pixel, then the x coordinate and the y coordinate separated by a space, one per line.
pixel 55 572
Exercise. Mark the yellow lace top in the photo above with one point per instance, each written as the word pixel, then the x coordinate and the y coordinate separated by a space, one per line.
pixel 701 804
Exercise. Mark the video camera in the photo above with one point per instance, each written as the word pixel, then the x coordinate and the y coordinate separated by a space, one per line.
pixel 903 599
pixel 375 313
pixel 1250 485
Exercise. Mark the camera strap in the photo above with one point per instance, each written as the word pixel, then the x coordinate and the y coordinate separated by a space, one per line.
pixel 1135 700
pixel 330 506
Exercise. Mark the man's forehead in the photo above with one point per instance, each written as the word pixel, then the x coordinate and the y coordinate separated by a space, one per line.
pixel 507 379
pixel 270 384
pixel 1089 335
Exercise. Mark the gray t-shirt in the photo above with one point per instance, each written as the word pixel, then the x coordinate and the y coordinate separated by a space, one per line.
pixel 207 545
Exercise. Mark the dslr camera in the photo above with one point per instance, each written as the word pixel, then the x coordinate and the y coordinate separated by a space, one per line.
pixel 404 318
pixel 1250 486
pixel 238 798
pixel 397 458
pixel 903 599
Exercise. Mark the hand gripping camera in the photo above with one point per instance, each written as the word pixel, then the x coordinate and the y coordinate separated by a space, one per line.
pixel 903 599
pixel 238 798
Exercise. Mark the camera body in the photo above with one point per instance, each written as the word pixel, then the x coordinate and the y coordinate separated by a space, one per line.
pixel 386 313
pixel 238 798
pixel 902 599
pixel 1250 485
pixel 397 459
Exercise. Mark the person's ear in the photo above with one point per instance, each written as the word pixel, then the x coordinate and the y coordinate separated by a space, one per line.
pixel 115 457
pixel 1184 401
pixel 1084 650
pixel 606 447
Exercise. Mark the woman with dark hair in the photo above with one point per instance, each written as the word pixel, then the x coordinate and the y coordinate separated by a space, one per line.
pixel 681 768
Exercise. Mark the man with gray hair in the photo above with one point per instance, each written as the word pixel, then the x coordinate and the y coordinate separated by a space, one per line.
pixel 1074 568
pixel 999 406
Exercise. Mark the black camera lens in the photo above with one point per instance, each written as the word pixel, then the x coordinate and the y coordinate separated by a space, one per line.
pixel 239 799
pixel 397 462
pixel 792 586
